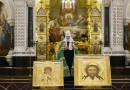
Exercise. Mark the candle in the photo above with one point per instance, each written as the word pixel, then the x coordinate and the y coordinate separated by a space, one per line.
pixel 73 4
pixel 63 4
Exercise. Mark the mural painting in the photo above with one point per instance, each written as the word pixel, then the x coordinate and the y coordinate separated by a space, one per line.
pixel 70 16
pixel 5 35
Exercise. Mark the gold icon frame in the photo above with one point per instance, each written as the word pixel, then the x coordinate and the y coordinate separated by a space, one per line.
pixel 102 62
pixel 42 78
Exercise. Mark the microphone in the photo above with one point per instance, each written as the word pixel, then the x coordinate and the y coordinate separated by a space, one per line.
pixel 67 43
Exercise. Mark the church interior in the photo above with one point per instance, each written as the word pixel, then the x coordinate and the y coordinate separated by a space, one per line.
pixel 31 31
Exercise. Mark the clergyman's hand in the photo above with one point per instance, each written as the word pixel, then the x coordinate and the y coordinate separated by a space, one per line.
pixel 66 47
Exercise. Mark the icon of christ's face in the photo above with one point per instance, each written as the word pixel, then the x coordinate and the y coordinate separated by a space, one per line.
pixel 92 72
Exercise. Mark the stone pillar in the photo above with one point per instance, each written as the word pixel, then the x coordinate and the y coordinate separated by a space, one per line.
pixel 21 17
pixel 117 27
pixel 104 49
pixel 21 28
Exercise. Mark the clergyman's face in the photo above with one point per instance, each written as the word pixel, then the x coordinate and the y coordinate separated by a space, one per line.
pixel 62 38
pixel 67 37
pixel 92 71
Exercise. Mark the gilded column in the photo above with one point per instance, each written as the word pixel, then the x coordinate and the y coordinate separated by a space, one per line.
pixel 88 5
pixel 47 39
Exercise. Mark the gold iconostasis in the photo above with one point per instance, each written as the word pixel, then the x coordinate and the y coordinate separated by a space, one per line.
pixel 54 17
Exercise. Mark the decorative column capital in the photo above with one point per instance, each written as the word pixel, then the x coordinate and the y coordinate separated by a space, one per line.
pixel 106 3
pixel 117 2
pixel 30 3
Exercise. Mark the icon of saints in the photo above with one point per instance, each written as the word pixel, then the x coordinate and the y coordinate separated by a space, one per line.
pixel 47 75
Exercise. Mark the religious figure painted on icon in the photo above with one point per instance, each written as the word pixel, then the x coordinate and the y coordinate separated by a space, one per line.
pixel 81 21
pixel 47 73
pixel 48 76
pixel 92 73
pixel 68 21
pixel 41 49
pixel 41 26
pixel 5 33
pixel 59 26
pixel 92 70
pixel 70 16
pixel 95 26
pixel 54 30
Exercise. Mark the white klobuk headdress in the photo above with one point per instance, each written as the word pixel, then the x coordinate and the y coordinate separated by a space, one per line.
pixel 67 33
